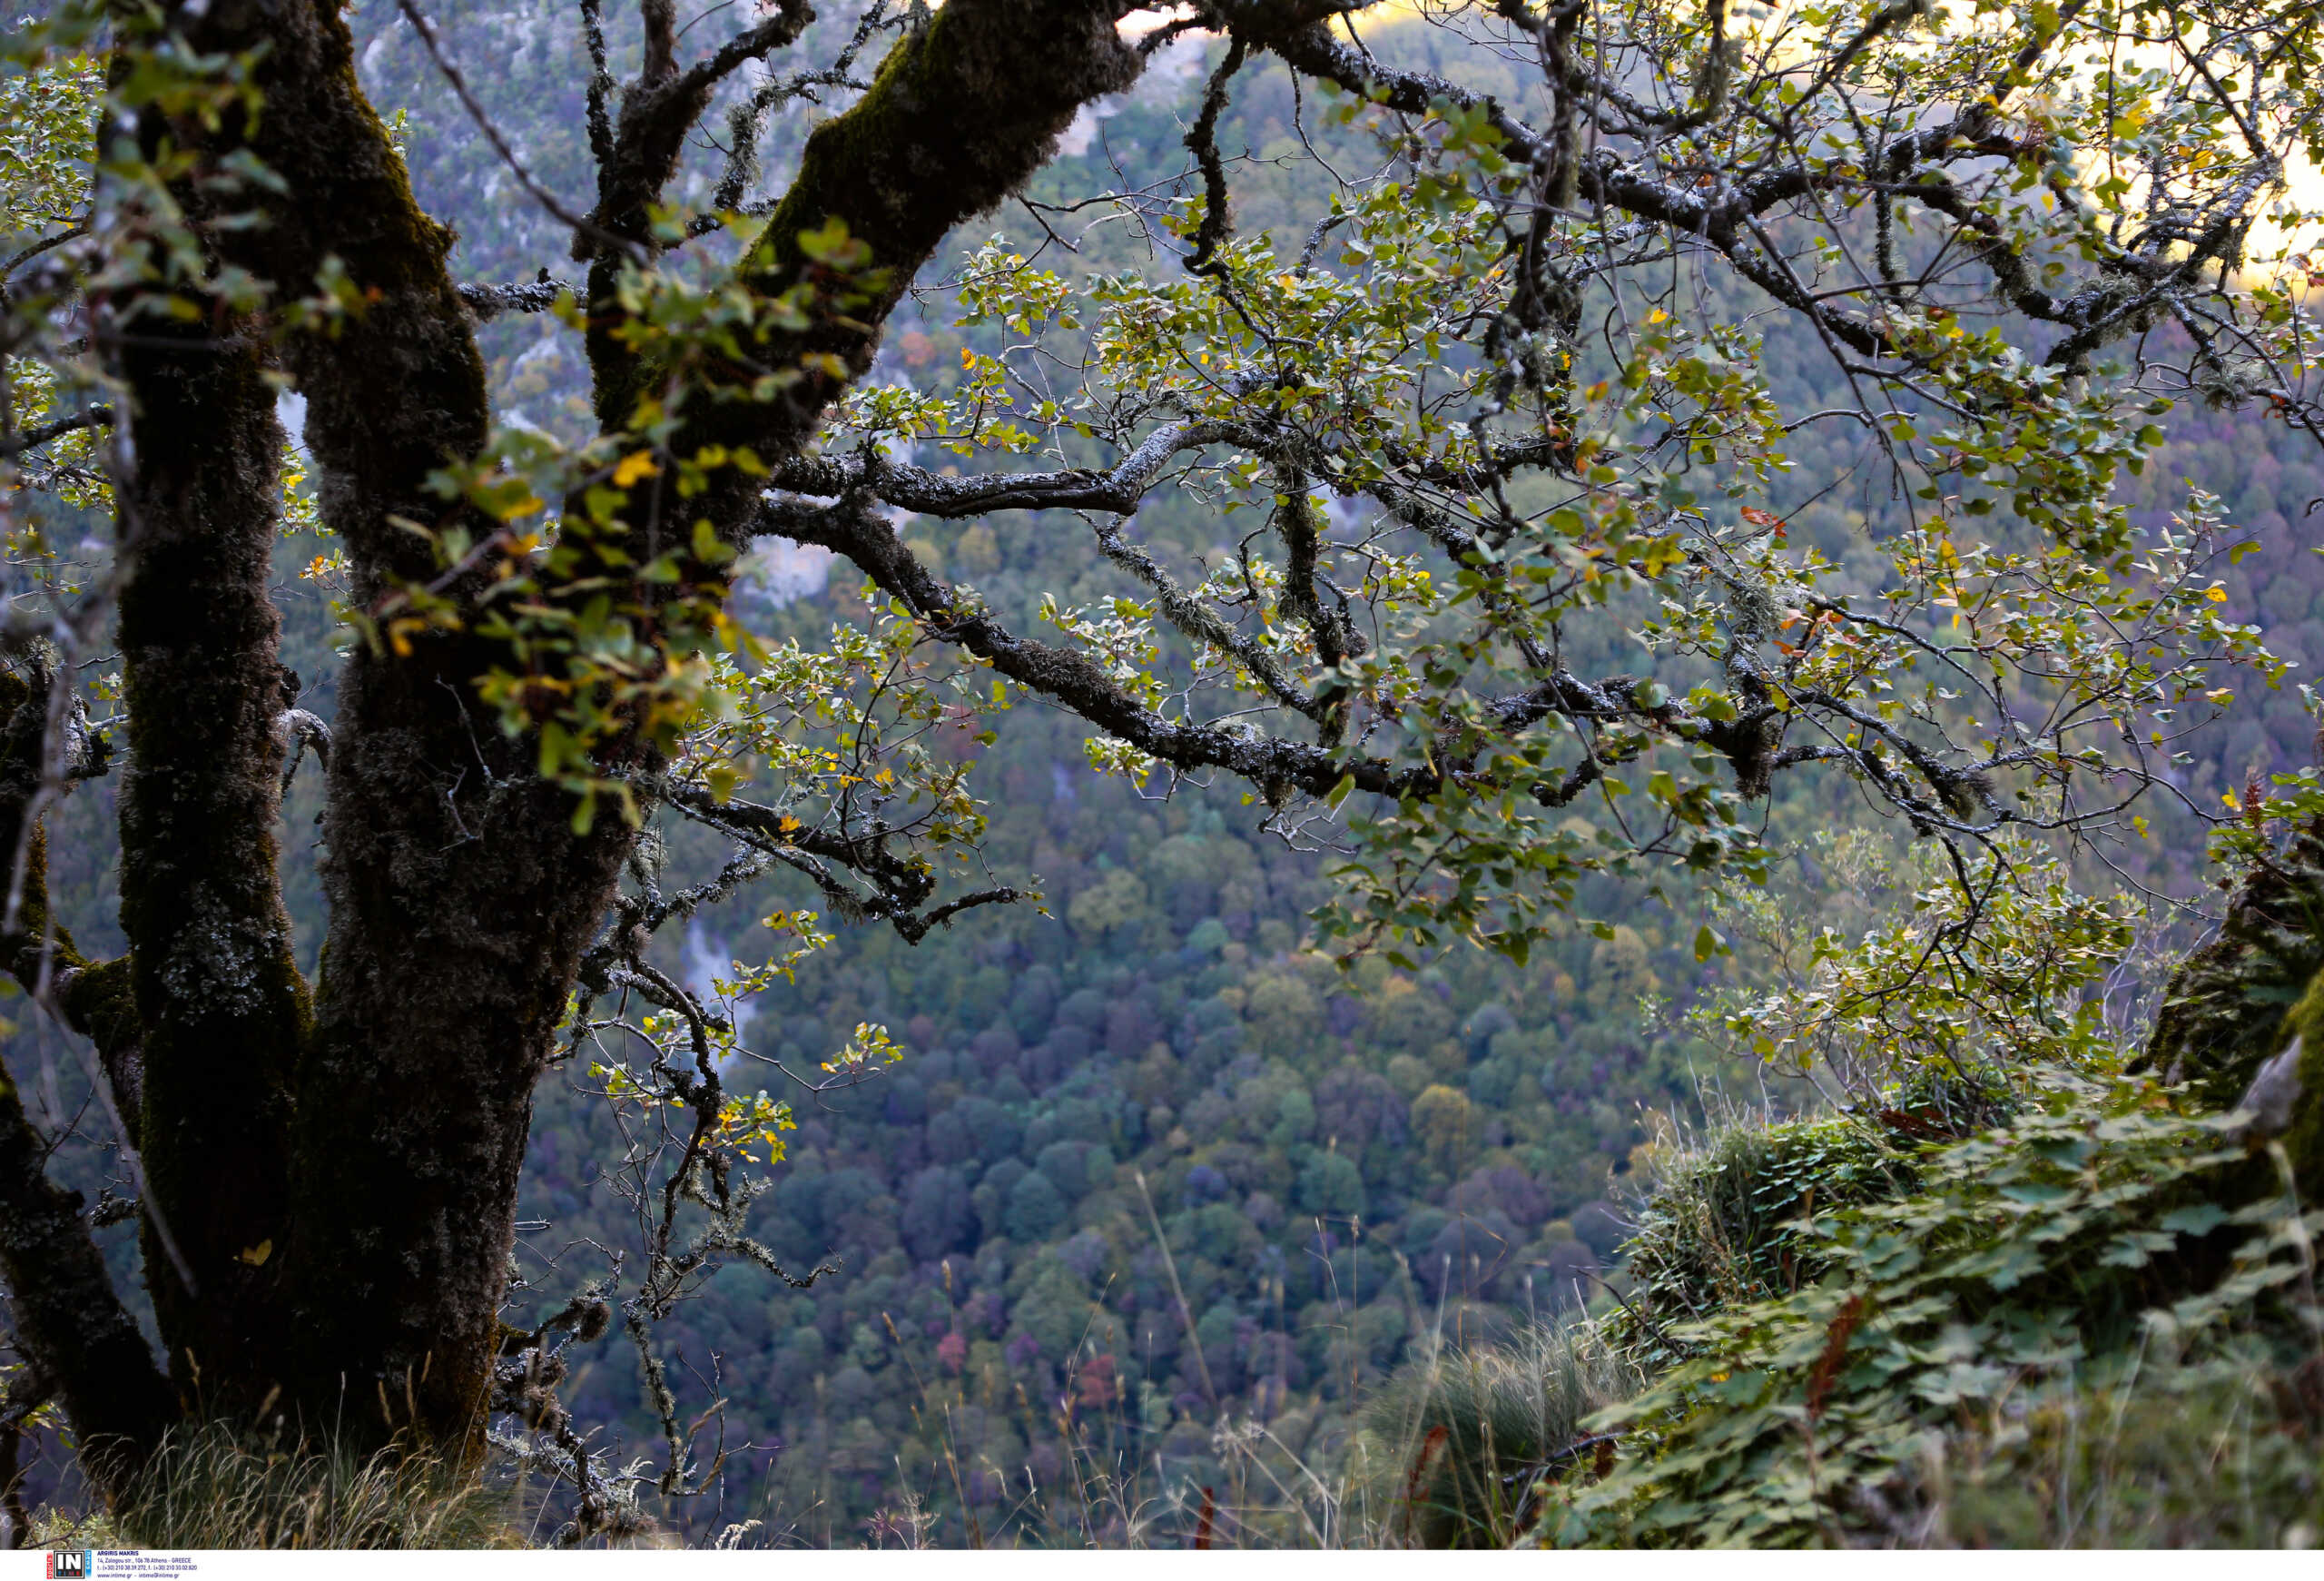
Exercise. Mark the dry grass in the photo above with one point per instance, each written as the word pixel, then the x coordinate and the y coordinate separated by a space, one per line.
pixel 212 1488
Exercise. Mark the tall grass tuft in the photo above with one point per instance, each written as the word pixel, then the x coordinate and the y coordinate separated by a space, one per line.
pixel 213 1487
pixel 1721 1227
pixel 1476 1435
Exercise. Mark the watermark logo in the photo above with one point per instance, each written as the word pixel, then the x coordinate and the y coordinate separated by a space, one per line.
pixel 66 1564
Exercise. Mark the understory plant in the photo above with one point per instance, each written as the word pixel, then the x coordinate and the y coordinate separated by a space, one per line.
pixel 2042 1304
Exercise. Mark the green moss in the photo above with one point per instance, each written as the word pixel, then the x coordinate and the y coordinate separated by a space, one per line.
pixel 2224 1014
pixel 216 986
pixel 2304 1141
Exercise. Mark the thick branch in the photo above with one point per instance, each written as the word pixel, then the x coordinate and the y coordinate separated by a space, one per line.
pixel 487 303
pixel 92 999
pixel 962 112
pixel 1751 741
pixel 658 111
pixel 1201 142
pixel 1068 677
pixel 1118 491
pixel 459 898
pixel 33 438
pixel 222 1005
pixel 63 1307
pixel 66 1314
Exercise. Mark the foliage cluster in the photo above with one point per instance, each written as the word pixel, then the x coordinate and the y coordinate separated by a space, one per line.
pixel 2101 1255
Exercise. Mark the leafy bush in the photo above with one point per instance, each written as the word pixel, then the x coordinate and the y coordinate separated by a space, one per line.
pixel 1987 970
pixel 2047 1298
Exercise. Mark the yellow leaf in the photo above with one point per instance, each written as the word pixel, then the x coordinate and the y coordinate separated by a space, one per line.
pixel 256 1256
pixel 2216 595
pixel 634 466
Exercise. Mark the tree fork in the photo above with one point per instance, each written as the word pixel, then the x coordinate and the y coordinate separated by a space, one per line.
pixel 962 112
pixel 460 897
pixel 459 900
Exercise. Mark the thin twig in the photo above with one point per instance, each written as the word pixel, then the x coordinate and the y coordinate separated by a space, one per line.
pixel 538 193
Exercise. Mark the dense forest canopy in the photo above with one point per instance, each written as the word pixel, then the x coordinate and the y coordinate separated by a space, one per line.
pixel 1570 443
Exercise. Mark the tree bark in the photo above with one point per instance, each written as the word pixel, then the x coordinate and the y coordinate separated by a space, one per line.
pixel 455 903
pixel 217 990
pixel 459 898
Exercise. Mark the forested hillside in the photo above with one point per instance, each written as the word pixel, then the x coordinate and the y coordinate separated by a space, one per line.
pixel 1153 1160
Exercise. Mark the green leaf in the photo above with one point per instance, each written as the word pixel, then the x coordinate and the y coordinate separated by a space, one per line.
pixel 2200 1218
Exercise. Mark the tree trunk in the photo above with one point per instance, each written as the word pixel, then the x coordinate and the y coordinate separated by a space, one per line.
pixel 343 1180
pixel 217 990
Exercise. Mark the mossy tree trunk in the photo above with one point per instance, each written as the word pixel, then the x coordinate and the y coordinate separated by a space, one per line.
pixel 216 990
pixel 336 1167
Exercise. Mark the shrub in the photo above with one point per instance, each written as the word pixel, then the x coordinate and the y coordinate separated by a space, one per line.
pixel 2102 1252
